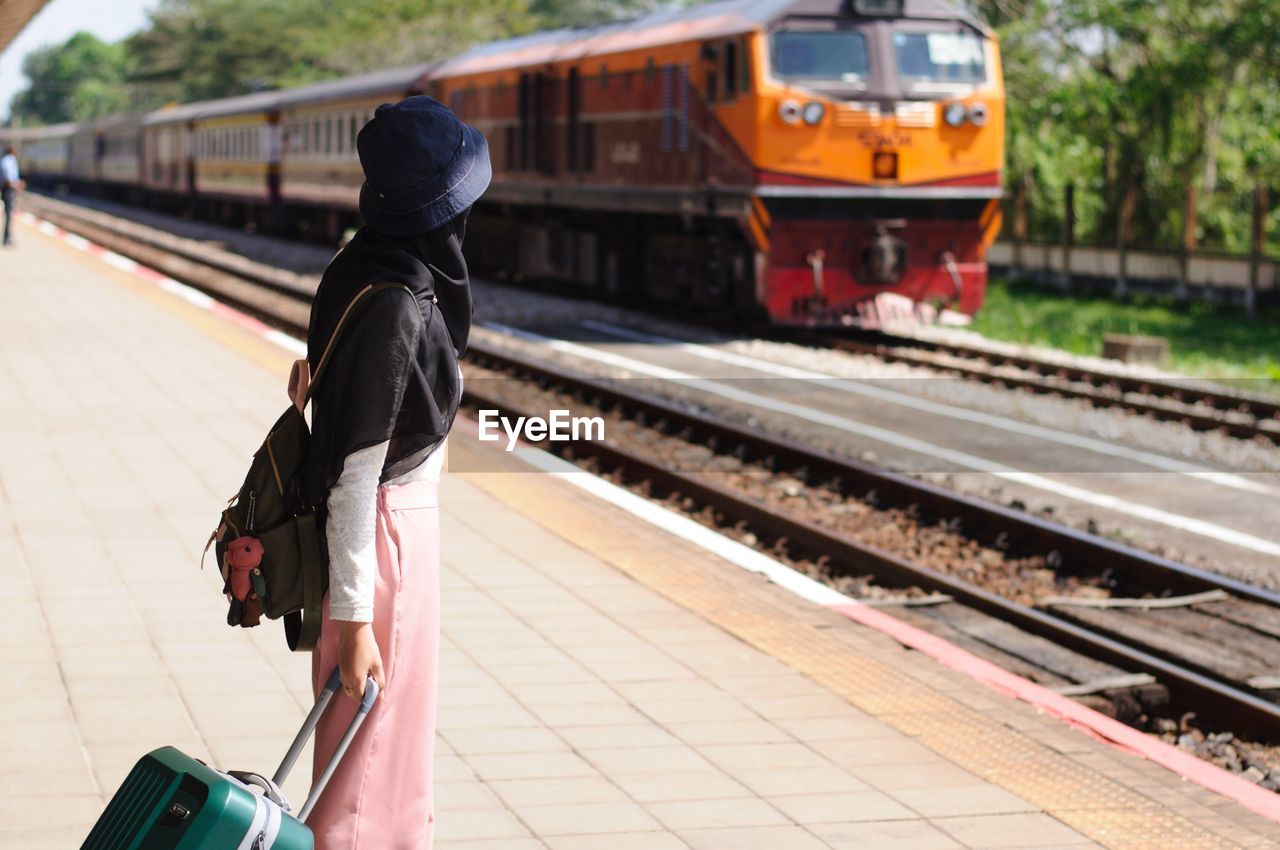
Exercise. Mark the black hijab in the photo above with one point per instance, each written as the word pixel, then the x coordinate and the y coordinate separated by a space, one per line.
pixel 393 375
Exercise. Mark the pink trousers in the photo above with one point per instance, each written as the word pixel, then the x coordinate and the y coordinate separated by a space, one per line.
pixel 380 797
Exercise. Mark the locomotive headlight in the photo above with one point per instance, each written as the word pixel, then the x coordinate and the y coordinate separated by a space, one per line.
pixel 789 111
pixel 978 114
pixel 813 112
pixel 955 113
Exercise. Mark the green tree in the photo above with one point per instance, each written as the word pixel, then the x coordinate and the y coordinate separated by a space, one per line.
pixel 1153 111
pixel 201 49
pixel 79 80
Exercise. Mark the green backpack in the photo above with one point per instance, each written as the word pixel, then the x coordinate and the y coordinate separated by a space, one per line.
pixel 269 543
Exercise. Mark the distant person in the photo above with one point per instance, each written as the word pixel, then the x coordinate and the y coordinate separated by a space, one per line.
pixel 10 184
pixel 380 413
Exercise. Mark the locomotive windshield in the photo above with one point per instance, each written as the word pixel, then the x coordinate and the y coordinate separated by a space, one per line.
pixel 940 57
pixel 819 55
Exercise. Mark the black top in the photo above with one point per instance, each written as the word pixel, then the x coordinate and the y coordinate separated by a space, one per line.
pixel 393 375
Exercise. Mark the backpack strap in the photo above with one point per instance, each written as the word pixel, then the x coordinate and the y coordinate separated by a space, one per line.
pixel 370 290
pixel 302 628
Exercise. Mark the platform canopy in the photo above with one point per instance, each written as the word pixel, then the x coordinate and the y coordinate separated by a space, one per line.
pixel 14 15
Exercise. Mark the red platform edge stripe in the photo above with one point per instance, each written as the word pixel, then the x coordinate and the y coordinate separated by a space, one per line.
pixel 1093 723
pixel 1087 720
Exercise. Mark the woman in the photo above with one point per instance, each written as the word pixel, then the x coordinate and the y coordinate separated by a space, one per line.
pixel 380 415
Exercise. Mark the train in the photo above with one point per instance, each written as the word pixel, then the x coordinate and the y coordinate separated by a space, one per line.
pixel 777 161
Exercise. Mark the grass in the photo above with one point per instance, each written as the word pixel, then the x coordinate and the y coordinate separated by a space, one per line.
pixel 1205 340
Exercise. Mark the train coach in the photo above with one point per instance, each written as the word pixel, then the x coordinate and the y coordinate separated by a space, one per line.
pixel 778 160
pixel 786 159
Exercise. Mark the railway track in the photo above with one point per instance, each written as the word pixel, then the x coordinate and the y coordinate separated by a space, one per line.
pixel 1201 408
pixel 1182 644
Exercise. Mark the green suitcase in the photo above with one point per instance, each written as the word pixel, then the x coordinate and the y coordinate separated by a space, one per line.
pixel 171 801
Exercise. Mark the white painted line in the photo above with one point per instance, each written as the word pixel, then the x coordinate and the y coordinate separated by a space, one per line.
pixel 124 264
pixel 686 529
pixel 286 342
pixel 962 459
pixel 187 293
pixel 870 390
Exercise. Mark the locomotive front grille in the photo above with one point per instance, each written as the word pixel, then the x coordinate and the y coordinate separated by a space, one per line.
pixel 919 114
pixel 856 115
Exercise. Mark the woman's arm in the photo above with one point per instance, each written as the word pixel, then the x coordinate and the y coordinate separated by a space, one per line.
pixel 350 531
pixel 353 567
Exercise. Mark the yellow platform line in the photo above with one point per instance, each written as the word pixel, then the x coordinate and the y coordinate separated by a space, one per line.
pixel 1105 810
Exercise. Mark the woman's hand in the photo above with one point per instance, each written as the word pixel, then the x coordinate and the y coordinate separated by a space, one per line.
pixel 358 657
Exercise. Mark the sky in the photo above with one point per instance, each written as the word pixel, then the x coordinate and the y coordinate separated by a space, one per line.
pixel 60 20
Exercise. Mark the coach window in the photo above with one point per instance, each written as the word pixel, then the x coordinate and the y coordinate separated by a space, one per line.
pixel 744 67
pixel 730 51
pixel 355 132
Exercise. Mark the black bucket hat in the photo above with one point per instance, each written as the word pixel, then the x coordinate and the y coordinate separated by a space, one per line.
pixel 422 167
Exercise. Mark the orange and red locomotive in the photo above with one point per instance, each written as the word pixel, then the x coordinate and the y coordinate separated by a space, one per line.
pixel 790 159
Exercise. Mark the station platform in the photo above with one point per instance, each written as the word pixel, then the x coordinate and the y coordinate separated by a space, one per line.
pixel 604 683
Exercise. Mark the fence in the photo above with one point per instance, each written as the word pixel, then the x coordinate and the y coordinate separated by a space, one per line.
pixel 1186 272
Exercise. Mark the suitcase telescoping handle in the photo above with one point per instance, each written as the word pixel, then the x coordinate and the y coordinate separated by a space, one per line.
pixel 309 726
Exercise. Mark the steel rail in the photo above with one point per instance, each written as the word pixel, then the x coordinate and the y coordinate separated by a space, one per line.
pixel 1076 551
pixel 1075 382
pixel 1216 701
